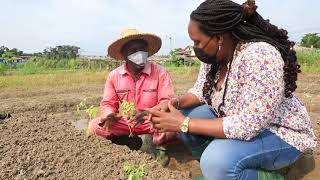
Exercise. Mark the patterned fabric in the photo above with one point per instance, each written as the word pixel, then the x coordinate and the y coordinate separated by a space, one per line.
pixel 255 98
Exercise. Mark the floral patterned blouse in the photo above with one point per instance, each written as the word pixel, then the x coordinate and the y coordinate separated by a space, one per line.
pixel 255 98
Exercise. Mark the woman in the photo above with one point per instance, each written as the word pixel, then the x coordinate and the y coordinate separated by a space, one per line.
pixel 251 123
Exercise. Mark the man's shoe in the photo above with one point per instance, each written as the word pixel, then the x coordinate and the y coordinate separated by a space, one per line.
pixel 134 143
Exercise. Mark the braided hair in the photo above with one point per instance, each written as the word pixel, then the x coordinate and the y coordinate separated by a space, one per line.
pixel 245 24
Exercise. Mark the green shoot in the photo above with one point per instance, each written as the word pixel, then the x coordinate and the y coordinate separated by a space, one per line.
pixel 127 109
pixel 92 111
pixel 134 173
pixel 82 105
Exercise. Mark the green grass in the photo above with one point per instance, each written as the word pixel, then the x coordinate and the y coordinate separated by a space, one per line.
pixel 309 59
pixel 47 66
pixel 82 79
pixel 48 74
pixel 56 79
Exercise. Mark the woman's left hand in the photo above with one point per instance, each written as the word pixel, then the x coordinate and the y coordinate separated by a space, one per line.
pixel 167 121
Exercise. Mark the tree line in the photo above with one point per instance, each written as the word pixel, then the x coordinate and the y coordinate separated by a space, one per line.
pixel 58 52
pixel 310 40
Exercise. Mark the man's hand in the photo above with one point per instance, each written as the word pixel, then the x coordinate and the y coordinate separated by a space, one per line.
pixel 109 120
pixel 163 106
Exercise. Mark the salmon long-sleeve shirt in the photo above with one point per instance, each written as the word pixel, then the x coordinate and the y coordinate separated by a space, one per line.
pixel 153 86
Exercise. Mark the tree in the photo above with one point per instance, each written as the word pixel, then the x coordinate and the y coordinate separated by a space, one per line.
pixel 62 52
pixel 9 55
pixel 3 49
pixel 311 40
pixel 13 52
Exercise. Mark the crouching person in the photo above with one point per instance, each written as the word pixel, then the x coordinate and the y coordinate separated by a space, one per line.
pixel 138 81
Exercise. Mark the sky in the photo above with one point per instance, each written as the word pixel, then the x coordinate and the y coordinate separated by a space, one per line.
pixel 33 25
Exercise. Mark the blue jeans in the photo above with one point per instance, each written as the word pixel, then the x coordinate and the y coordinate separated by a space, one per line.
pixel 226 159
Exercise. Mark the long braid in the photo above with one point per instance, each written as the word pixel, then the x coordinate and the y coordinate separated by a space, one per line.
pixel 210 77
pixel 218 16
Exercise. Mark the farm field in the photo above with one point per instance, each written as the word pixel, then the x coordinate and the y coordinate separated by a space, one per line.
pixel 41 142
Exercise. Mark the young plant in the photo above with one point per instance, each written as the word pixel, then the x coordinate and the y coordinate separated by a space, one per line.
pixel 82 105
pixel 134 173
pixel 91 111
pixel 127 109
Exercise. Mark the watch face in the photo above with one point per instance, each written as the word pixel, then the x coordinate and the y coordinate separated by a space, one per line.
pixel 184 129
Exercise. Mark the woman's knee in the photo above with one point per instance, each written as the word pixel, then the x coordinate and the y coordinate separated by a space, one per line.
pixel 217 163
pixel 213 163
pixel 202 111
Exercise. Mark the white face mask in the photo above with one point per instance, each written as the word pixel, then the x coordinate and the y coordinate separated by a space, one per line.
pixel 139 58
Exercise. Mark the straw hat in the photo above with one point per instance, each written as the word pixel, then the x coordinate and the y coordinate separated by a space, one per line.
pixel 154 43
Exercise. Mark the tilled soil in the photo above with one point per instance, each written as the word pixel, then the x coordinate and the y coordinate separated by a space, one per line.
pixel 36 145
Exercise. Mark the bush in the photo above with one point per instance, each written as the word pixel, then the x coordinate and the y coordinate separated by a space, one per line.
pixel 3 68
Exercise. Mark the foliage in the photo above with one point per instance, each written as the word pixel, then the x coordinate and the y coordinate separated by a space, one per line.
pixel 9 55
pixel 127 109
pixel 62 52
pixel 311 40
pixel 134 173
pixel 92 111
pixel 3 68
pixel 175 60
pixel 309 57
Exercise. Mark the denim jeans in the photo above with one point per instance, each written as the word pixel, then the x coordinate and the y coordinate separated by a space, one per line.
pixel 226 159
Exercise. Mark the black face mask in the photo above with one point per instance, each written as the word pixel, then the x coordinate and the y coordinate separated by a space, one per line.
pixel 203 57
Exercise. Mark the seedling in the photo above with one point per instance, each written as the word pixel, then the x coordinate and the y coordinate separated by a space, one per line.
pixel 134 173
pixel 91 111
pixel 127 109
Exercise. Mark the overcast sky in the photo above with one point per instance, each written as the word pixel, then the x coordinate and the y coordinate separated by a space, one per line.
pixel 32 25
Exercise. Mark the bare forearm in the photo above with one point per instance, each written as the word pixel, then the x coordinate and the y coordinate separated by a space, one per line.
pixel 188 100
pixel 213 128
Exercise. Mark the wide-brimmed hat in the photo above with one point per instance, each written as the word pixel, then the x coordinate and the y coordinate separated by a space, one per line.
pixel 154 43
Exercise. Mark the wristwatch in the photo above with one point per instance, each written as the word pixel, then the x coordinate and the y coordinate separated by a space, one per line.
pixel 184 126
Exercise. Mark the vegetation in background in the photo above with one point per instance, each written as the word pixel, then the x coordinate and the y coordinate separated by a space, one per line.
pixel 309 59
pixel 66 58
pixel 61 52
pixel 311 40
pixel 9 53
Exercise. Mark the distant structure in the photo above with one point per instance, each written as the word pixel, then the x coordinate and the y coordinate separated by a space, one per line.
pixel 187 52
pixel 186 55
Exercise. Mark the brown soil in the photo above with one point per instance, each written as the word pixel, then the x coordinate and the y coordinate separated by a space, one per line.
pixel 40 141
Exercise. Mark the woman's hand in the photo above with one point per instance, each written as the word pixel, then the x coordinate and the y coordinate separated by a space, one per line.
pixel 166 120
pixel 163 106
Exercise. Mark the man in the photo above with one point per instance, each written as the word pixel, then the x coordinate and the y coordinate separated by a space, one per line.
pixel 138 81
